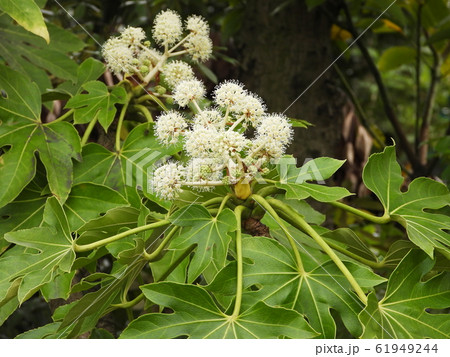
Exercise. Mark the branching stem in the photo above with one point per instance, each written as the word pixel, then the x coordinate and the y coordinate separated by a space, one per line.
pixel 155 254
pixel 87 247
pixel 370 217
pixel 265 204
pixel 121 118
pixel 305 227
pixel 240 273
pixel 144 111
pixel 89 129
pixel 63 117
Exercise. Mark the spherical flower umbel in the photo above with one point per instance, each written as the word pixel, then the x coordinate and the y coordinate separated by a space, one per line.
pixel 167 180
pixel 199 47
pixel 176 71
pixel 203 142
pixel 167 28
pixel 277 127
pixel 272 135
pixel 197 25
pixel 169 127
pixel 208 118
pixel 118 55
pixel 229 93
pixel 133 35
pixel 233 142
pixel 249 108
pixel 187 91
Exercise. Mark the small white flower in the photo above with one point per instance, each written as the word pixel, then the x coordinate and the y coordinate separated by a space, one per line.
pixel 118 56
pixel 229 93
pixel 169 127
pixel 207 118
pixel 197 25
pixel 167 27
pixel 250 108
pixel 187 91
pixel 199 47
pixel 167 180
pixel 177 71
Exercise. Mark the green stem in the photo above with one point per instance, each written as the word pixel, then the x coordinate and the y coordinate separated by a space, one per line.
pixel 179 43
pixel 121 117
pixel 153 98
pixel 155 254
pixel 144 111
pixel 370 217
pixel 223 203
pixel 265 204
pixel 239 261
pixel 86 247
pixel 305 227
pixel 88 131
pixel 62 117
pixel 290 218
pixel 182 52
pixel 128 304
pixel 156 69
pixel 213 201
pixel 268 190
pixel 196 106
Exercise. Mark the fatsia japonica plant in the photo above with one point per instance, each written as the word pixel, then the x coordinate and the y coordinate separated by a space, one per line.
pixel 189 220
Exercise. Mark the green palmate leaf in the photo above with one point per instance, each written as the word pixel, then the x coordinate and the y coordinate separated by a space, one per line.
pixel 56 144
pixel 293 179
pixel 209 233
pixel 382 175
pixel 32 56
pixel 87 71
pixel 45 331
pixel 402 311
pixel 22 133
pixel 274 273
pixel 28 15
pixel 25 211
pixel 84 314
pixel 18 104
pixel 88 201
pixel 112 221
pixel 59 287
pixel 49 253
pixel 99 102
pixel 125 170
pixel 172 266
pixel 197 316
pixel 349 241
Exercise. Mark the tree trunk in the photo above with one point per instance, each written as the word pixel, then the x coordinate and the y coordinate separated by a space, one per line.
pixel 281 55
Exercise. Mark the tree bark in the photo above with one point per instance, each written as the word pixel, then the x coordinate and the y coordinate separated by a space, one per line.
pixel 281 55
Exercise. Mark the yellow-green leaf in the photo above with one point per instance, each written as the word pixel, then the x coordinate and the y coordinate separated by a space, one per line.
pixel 28 15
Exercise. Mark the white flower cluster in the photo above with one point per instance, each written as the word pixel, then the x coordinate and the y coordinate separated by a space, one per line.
pixel 214 138
pixel 127 53
pixel 131 54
